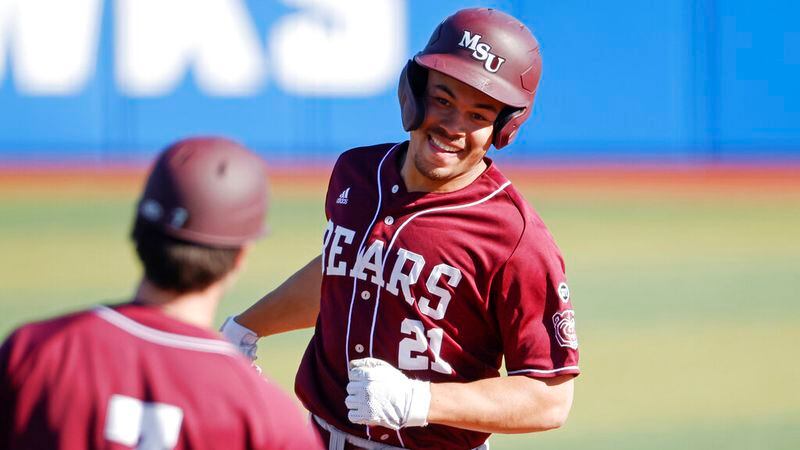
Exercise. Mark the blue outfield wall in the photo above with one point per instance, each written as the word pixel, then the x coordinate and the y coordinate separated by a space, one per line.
pixel 624 80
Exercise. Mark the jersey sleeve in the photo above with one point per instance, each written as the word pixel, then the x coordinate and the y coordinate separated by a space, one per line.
pixel 334 184
pixel 534 311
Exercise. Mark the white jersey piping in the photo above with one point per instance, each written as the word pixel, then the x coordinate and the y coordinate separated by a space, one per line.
pixel 355 280
pixel 360 250
pixel 397 233
pixel 386 256
pixel 560 369
pixel 164 338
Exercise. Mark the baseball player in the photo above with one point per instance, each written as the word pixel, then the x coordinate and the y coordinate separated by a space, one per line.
pixel 433 267
pixel 150 373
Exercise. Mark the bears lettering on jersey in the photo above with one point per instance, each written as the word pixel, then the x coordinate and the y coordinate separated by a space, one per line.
pixel 405 272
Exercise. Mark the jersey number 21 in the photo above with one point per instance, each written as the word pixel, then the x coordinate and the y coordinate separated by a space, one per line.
pixel 418 343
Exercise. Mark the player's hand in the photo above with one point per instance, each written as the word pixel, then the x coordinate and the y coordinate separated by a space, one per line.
pixel 379 394
pixel 243 338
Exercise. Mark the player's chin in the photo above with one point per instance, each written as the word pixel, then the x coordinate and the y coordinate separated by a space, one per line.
pixel 439 173
pixel 430 167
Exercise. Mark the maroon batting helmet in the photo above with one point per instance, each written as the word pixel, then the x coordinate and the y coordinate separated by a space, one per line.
pixel 206 190
pixel 487 49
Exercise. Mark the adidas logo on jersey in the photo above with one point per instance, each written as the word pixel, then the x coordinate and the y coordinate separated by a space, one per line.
pixel 342 200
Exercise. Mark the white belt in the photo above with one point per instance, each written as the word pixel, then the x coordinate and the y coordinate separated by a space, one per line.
pixel 338 439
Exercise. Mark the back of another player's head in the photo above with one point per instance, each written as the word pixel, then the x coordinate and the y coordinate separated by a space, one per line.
pixel 204 200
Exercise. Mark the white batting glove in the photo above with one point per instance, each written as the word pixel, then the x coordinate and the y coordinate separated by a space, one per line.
pixel 243 338
pixel 379 394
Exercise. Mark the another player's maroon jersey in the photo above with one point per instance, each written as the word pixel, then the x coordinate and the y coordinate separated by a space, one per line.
pixel 131 377
pixel 441 285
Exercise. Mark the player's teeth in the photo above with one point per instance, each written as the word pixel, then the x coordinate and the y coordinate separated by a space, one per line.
pixel 444 146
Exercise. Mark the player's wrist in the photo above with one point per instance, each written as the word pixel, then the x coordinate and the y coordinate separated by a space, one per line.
pixel 242 337
pixel 420 403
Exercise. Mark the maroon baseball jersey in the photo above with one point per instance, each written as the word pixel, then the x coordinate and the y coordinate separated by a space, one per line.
pixel 441 285
pixel 131 377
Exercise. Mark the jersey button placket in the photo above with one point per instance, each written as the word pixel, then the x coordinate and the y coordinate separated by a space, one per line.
pixel 388 220
pixel 361 326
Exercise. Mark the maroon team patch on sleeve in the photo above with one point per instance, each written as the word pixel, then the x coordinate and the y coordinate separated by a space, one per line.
pixel 564 325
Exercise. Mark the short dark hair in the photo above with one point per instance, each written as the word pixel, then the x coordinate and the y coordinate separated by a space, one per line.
pixel 177 265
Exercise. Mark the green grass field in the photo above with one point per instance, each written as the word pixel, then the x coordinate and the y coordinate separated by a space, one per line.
pixel 686 295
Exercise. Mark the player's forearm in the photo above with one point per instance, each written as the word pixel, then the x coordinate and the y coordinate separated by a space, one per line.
pixel 514 404
pixel 291 306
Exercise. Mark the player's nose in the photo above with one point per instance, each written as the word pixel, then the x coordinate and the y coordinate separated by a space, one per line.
pixel 451 125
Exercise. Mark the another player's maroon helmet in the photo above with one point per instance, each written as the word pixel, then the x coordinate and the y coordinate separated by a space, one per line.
pixel 486 49
pixel 206 190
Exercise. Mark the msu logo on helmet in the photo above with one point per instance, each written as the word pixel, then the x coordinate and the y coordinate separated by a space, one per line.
pixel 481 51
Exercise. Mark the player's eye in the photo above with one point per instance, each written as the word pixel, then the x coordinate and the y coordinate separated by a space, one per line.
pixel 479 118
pixel 441 101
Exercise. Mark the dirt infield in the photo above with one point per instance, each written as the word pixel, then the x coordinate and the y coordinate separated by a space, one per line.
pixel 125 181
pixel 752 182
pixel 706 181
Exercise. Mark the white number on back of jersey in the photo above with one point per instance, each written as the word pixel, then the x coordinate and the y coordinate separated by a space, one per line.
pixel 142 425
pixel 418 344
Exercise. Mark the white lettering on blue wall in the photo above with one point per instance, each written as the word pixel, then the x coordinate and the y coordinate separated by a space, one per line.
pixel 327 48
pixel 158 41
pixel 52 44
pixel 335 47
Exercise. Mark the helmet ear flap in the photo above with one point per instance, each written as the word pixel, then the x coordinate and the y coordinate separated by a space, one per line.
pixel 410 92
pixel 507 124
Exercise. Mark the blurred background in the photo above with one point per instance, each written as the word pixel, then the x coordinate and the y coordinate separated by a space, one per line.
pixel 663 153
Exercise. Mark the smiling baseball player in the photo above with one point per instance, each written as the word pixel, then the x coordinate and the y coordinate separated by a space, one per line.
pixel 433 267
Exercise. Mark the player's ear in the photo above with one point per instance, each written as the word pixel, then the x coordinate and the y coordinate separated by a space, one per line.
pixel 241 257
pixel 238 265
pixel 230 278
